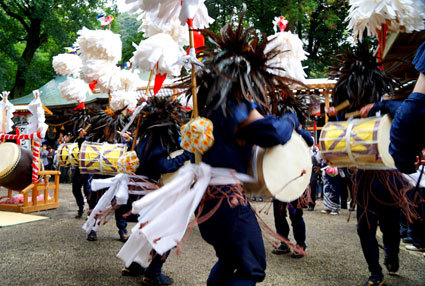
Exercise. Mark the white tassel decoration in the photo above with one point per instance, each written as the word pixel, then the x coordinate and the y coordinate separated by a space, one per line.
pixel 99 44
pixel 67 64
pixel 74 89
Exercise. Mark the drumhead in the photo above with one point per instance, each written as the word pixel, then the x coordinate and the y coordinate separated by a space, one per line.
pixel 10 154
pixel 282 167
pixel 384 142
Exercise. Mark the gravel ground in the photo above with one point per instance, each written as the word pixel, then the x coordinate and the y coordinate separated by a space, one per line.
pixel 56 252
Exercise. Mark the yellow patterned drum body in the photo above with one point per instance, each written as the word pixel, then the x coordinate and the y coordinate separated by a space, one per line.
pixel 361 143
pixel 68 154
pixel 100 158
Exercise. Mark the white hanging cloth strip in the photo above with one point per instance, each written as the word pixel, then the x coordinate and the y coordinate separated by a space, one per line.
pixel 176 202
pixel 10 108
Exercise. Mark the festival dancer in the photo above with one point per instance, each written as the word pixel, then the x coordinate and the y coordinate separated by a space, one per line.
pixel 234 87
pixel 379 194
pixel 158 137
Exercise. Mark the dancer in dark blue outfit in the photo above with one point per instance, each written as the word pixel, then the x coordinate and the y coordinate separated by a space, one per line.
pixel 379 194
pixel 159 132
pixel 233 93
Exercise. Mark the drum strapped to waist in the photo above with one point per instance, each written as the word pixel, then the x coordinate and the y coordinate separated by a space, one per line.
pixel 100 158
pixel 282 171
pixel 68 154
pixel 15 167
pixel 168 177
pixel 361 143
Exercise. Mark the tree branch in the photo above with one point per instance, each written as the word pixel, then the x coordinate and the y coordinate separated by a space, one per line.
pixel 22 8
pixel 14 15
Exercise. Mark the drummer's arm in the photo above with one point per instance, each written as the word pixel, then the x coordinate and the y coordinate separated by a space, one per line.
pixel 168 165
pixel 270 130
pixel 385 106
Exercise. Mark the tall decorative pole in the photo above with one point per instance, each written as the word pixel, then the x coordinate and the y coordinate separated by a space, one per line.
pixel 195 112
pixel 139 117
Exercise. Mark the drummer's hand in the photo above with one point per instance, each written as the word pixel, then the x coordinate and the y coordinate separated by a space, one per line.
pixel 126 136
pixel 419 162
pixel 365 110
pixel 331 111
pixel 82 133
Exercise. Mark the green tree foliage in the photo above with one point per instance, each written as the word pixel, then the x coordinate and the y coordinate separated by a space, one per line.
pixel 319 23
pixel 32 31
pixel 127 26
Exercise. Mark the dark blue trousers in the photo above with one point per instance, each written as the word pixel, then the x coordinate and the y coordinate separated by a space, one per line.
pixel 236 237
pixel 380 210
pixel 296 217
pixel 80 180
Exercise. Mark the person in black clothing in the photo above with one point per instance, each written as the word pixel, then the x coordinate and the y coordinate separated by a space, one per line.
pixel 80 180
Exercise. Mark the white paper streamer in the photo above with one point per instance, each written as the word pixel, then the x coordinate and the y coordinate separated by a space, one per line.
pixel 99 44
pixel 36 121
pixel 67 64
pixel 74 89
pixel 10 108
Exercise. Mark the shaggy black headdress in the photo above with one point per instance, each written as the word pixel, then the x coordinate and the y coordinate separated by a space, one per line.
pixel 359 78
pixel 238 69
pixel 105 124
pixel 161 120
pixel 80 119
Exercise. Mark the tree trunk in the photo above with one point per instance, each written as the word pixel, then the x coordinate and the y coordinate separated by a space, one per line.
pixel 35 39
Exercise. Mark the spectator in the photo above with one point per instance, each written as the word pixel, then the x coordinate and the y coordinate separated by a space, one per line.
pixel 43 156
pixel 50 157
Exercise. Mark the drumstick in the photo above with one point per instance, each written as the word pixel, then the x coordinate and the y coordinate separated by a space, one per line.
pixel 87 127
pixel 352 114
pixel 342 105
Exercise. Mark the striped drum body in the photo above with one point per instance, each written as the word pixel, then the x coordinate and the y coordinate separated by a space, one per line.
pixel 361 143
pixel 100 158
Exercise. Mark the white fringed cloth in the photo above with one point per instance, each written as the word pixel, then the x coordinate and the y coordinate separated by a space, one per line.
pixel 118 188
pixel 175 202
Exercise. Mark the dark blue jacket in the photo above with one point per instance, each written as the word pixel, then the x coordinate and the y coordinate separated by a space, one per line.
pixel 233 145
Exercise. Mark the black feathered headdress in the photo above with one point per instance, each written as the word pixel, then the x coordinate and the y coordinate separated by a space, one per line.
pixel 161 120
pixel 359 78
pixel 237 69
pixel 105 124
pixel 80 119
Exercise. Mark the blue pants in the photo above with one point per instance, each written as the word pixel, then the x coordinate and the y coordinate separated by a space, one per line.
pixel 120 221
pixel 387 216
pixel 236 237
pixel 296 217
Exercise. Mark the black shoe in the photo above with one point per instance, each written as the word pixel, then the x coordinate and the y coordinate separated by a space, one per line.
pixel 123 235
pixel 310 208
pixel 282 249
pixel 391 264
pixel 408 240
pixel 375 280
pixel 79 214
pixel 160 279
pixel 92 236
pixel 135 269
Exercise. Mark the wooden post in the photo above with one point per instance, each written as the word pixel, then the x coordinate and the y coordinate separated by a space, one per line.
pixel 326 105
pixel 4 115
pixel 195 112
pixel 56 198
pixel 139 117
pixel 109 99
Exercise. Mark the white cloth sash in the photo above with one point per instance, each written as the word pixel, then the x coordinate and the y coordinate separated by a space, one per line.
pixel 166 212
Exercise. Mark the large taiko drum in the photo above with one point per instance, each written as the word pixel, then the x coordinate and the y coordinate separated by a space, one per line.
pixel 361 143
pixel 282 171
pixel 68 154
pixel 100 158
pixel 15 167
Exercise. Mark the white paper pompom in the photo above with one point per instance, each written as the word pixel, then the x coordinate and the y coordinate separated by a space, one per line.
pixel 166 10
pixel 174 28
pixel 160 50
pixel 67 64
pixel 130 81
pixel 106 73
pixel 399 15
pixel 290 56
pixel 99 44
pixel 74 89
pixel 121 98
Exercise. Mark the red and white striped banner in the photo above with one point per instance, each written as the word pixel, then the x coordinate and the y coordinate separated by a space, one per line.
pixel 35 150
